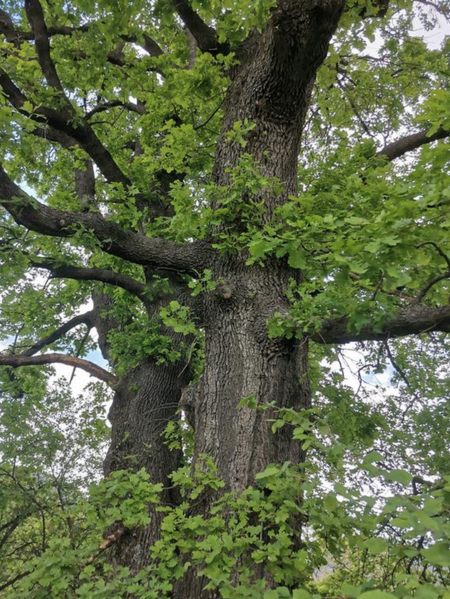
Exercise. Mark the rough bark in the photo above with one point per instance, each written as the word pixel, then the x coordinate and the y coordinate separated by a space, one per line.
pixel 271 89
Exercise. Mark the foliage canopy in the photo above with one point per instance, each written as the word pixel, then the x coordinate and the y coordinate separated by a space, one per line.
pixel 113 120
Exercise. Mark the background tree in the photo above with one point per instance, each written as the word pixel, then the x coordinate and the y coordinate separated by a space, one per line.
pixel 219 270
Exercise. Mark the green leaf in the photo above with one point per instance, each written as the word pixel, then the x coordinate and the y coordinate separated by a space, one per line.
pixel 377 595
pixel 438 554
pixel 376 545
pixel 269 471
pixel 399 476
pixel 301 594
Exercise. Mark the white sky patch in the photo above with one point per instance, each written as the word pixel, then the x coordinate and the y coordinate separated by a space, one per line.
pixel 435 37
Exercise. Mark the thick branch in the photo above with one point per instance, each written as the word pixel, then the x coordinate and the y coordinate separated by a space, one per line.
pixel 414 320
pixel 205 36
pixel 411 142
pixel 113 239
pixel 85 318
pixel 82 133
pixel 35 17
pixel 90 367
pixel 94 274
pixel 7 28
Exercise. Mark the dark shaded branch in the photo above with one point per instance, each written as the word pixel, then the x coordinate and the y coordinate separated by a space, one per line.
pixel 148 44
pixel 439 250
pixel 414 320
pixel 43 360
pixel 58 121
pixel 112 238
pixel 94 274
pixel 422 293
pixel 138 108
pixel 411 142
pixel 35 17
pixel 86 319
pixel 16 36
pixel 446 275
pixel 11 581
pixel 7 29
pixel 205 36
pixel 50 134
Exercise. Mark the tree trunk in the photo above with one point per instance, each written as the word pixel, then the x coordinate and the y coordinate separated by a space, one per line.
pixel 271 88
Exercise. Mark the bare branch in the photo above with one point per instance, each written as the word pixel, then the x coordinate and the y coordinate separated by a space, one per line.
pixel 414 320
pixel 11 581
pixel 446 275
pixel 114 240
pixel 205 35
pixel 411 142
pixel 442 10
pixel 45 359
pixel 85 318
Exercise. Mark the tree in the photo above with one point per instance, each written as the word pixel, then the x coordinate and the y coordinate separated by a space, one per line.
pixel 235 193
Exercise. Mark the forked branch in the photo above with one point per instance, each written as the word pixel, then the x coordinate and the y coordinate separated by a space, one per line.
pixel 86 318
pixel 114 240
pixel 205 36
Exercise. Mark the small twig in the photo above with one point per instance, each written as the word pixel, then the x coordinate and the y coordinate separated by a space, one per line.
pixel 446 275
pixel 437 248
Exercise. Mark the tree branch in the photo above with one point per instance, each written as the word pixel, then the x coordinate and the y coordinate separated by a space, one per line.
pixel 7 28
pixel 444 11
pixel 86 365
pixel 411 142
pixel 36 19
pixel 15 36
pixel 138 108
pixel 446 275
pixel 414 320
pixel 86 318
pixel 93 274
pixel 113 239
pixel 81 132
pixel 205 36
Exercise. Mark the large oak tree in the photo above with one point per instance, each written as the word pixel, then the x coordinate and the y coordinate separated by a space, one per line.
pixel 227 187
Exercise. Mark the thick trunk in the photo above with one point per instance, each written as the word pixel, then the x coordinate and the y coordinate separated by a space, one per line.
pixel 271 89
pixel 242 361
pixel 144 402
